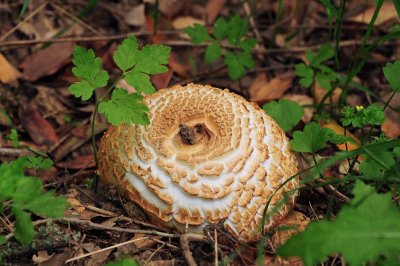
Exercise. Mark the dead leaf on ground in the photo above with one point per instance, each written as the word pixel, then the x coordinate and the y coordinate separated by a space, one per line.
pixel 144 243
pixel 8 73
pixel 46 62
pixel 57 259
pixel 386 13
pixel 273 89
pixel 303 100
pixel 260 80
pixel 187 21
pixel 41 256
pixel 213 8
pixel 135 16
pixel 320 92
pixel 38 128
pixel 391 126
pixel 172 8
pixel 162 80
pixel 340 130
pixel 297 220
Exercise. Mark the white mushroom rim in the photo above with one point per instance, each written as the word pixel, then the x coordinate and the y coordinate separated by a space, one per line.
pixel 207 156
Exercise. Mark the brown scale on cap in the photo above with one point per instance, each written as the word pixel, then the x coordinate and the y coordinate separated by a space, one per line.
pixel 207 156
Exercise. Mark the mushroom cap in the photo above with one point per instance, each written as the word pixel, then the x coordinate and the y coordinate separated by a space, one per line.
pixel 207 156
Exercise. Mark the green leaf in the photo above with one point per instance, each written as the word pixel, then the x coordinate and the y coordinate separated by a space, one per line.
pixel 24 232
pixel 198 33
pixel 126 54
pixel 213 52
pixel 238 28
pixel 152 59
pixel 359 116
pixel 392 74
pixel 305 73
pixel 3 240
pixel 13 137
pixel 371 167
pixel 235 67
pixel 27 188
pixel 337 138
pixel 363 230
pixel 248 44
pixel 125 108
pixel 123 262
pixel 311 139
pixel 396 152
pixel 48 205
pixel 9 174
pixel 140 81
pixel 88 68
pixel 285 112
pixel 220 28
pixel 24 7
pixel 245 59
pixel 38 162
pixel 325 53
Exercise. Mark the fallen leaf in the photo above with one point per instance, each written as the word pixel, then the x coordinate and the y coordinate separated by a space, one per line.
pixel 297 220
pixel 38 128
pixel 213 8
pixel 171 8
pixel 386 13
pixel 41 256
pixel 340 130
pixel 320 92
pixel 187 21
pixel 260 80
pixel 8 73
pixel 162 80
pixel 143 243
pixel 274 89
pixel 57 259
pixel 46 62
pixel 303 100
pixel 391 126
pixel 135 16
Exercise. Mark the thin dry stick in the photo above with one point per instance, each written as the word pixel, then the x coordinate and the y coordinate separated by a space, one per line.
pixel 15 152
pixel 215 247
pixel 75 18
pixel 105 249
pixel 152 255
pixel 23 22
pixel 185 239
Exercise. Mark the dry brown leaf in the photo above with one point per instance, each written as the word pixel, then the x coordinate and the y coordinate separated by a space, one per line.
pixel 303 100
pixel 187 21
pixel 46 62
pixel 144 243
pixel 260 80
pixel 38 128
pixel 274 89
pixel 320 92
pixel 386 13
pixel 162 80
pixel 213 8
pixel 340 130
pixel 41 256
pixel 297 220
pixel 8 73
pixel 171 8
pixel 391 126
pixel 135 16
pixel 57 259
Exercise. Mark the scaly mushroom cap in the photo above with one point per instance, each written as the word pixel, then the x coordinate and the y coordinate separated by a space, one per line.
pixel 207 156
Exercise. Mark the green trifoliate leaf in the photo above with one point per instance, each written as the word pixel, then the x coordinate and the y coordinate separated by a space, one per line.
pixel 220 29
pixel 311 139
pixel 392 74
pixel 235 68
pixel 38 162
pixel 325 53
pixel 365 229
pixel 125 108
pixel 141 82
pixel 88 68
pixel 198 33
pixel 48 205
pixel 213 52
pixel 152 59
pixel 126 54
pixel 237 29
pixel 27 188
pixel 24 232
pixel 305 73
pixel 285 112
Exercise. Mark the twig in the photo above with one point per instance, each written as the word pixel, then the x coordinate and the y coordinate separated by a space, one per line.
pixel 215 247
pixel 105 249
pixel 184 240
pixel 15 152
pixel 152 255
pixel 23 22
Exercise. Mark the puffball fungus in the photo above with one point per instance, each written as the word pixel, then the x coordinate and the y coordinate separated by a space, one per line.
pixel 207 156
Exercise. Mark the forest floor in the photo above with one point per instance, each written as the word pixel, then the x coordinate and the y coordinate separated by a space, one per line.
pixel 39 114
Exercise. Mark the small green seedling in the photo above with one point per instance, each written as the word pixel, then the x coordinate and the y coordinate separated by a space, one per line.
pixel 359 116
pixel 238 58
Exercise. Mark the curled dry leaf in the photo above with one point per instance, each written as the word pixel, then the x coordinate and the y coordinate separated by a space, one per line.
pixel 386 13
pixel 272 89
pixel 303 100
pixel 46 62
pixel 8 73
